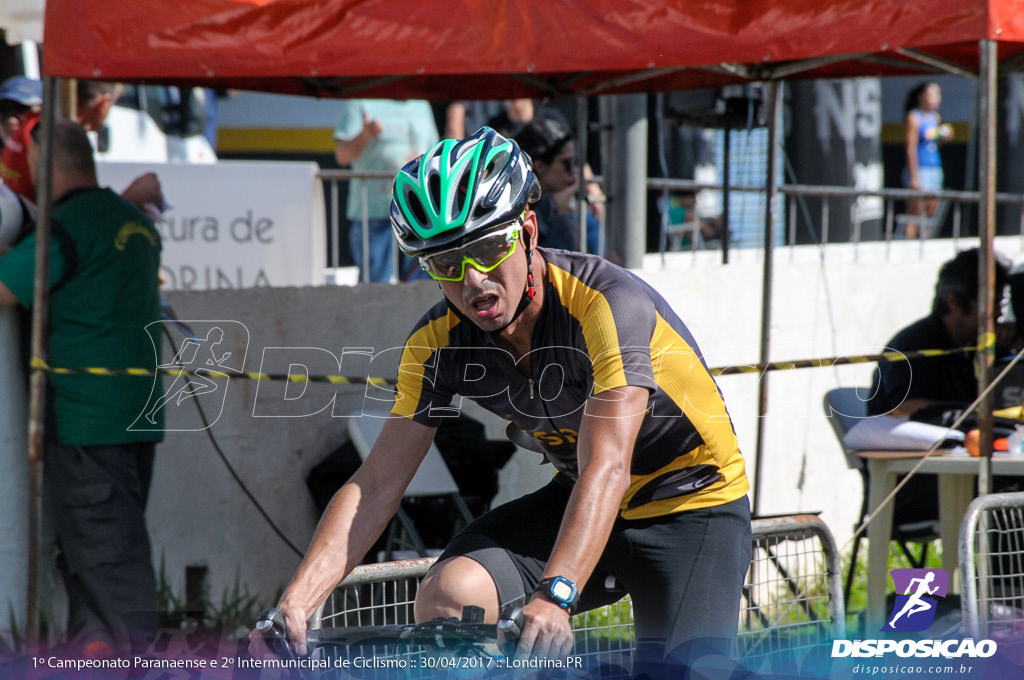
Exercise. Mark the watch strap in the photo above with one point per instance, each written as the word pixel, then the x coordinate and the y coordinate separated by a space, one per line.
pixel 546 587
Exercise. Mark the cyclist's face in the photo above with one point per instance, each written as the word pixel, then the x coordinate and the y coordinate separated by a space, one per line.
pixel 490 299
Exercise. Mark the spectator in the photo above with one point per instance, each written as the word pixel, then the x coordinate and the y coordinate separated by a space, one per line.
pixel 923 130
pixel 20 102
pixel 927 388
pixel 549 143
pixel 904 387
pixel 94 99
pixel 96 468
pixel 462 117
pixel 517 113
pixel 379 135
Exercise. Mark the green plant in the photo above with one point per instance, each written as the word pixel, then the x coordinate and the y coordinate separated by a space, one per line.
pixel 171 608
pixel 237 608
pixel 13 642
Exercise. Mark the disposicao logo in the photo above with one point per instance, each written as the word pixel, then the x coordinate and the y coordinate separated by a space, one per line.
pixel 914 610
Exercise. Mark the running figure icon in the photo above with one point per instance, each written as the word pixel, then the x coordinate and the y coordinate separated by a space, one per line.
pixel 915 603
pixel 197 356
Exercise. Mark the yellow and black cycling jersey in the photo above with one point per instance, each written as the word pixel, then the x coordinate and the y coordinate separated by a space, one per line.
pixel 600 327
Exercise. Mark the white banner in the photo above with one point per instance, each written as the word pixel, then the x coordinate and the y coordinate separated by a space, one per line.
pixel 236 224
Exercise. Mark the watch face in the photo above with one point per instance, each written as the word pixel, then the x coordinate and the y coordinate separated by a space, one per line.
pixel 562 590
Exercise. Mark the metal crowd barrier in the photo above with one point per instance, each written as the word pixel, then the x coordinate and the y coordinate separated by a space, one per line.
pixel 992 567
pixel 792 599
pixel 382 594
pixel 861 206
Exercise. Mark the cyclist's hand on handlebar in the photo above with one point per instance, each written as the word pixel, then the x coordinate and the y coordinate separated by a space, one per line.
pixel 546 631
pixel 265 640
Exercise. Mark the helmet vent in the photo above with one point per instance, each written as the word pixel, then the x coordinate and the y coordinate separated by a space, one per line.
pixel 498 163
pixel 416 207
pixel 434 188
pixel 463 188
pixel 515 182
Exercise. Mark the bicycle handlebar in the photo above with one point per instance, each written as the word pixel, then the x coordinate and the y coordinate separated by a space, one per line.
pixel 274 630
pixel 444 633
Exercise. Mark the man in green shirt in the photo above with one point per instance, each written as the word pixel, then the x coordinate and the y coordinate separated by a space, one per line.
pixel 104 262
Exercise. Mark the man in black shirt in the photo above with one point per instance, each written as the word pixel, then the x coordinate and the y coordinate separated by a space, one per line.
pixel 907 387
pixel 903 387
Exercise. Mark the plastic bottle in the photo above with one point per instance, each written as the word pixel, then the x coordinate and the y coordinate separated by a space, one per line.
pixel 1015 445
pixel 973 440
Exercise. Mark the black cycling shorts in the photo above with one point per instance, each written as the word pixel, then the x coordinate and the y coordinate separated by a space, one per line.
pixel 683 571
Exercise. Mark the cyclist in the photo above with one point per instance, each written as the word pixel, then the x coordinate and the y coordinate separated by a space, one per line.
pixel 590 364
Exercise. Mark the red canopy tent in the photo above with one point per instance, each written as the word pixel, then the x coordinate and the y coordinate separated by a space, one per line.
pixel 496 49
pixel 493 49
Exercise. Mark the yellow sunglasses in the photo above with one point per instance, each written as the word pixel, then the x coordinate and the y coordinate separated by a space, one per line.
pixel 484 254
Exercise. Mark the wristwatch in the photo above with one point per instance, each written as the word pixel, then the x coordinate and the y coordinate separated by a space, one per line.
pixel 561 591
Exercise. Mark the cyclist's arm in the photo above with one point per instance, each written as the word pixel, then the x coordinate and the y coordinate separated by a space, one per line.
pixel 354 519
pixel 607 438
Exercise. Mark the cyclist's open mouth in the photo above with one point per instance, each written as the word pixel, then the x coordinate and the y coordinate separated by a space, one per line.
pixel 485 306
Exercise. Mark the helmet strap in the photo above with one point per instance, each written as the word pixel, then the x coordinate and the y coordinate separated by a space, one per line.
pixel 530 292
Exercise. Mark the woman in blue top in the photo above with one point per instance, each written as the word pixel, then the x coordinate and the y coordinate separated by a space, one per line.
pixel 923 131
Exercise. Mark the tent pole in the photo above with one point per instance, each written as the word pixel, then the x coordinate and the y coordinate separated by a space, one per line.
pixel 726 173
pixel 627 178
pixel 582 132
pixel 773 91
pixel 40 351
pixel 987 85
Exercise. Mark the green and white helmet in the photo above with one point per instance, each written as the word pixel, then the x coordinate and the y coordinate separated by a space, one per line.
pixel 460 188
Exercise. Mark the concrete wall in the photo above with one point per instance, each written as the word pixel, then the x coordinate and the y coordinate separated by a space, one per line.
pixel 833 302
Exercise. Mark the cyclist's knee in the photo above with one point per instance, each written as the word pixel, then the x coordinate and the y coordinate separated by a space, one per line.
pixel 452 584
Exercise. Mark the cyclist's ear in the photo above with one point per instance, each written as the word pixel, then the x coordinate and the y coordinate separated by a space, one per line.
pixel 530 227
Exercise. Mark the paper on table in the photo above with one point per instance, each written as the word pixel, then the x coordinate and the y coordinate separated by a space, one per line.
pixel 897 434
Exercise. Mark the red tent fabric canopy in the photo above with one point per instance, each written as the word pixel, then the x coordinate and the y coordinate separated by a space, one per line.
pixel 493 49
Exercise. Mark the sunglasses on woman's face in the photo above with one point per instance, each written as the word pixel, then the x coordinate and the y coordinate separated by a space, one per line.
pixel 484 254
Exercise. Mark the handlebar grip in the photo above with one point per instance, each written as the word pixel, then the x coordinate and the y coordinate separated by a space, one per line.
pixel 511 624
pixel 272 627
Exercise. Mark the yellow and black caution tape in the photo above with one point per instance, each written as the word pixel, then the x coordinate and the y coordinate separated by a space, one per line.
pixel 885 357
pixel 38 364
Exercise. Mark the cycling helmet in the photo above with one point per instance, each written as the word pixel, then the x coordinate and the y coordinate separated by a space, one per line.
pixel 458 189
